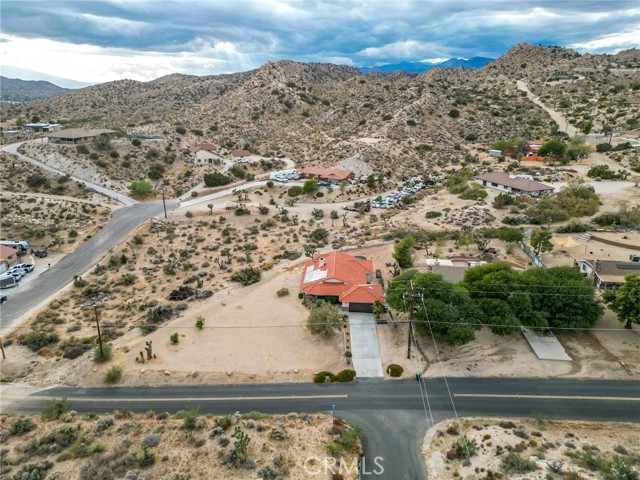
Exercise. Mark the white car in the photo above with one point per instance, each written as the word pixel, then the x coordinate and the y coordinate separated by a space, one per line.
pixel 15 274
pixel 27 267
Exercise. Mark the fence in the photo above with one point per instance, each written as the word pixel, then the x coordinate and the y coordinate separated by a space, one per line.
pixel 534 258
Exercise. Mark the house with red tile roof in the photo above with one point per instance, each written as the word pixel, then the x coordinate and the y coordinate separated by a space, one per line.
pixel 338 277
pixel 327 174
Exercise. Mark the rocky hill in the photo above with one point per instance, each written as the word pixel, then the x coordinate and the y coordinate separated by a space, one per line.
pixel 16 90
pixel 326 113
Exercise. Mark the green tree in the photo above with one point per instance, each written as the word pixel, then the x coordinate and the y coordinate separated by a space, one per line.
pixel 541 241
pixel 578 147
pixel 310 187
pixel 371 181
pixel 511 235
pixel 319 235
pixel 324 318
pixel 445 309
pixel 403 252
pixel 141 189
pixel 625 300
pixel 102 142
pixel 552 148
pixel 586 127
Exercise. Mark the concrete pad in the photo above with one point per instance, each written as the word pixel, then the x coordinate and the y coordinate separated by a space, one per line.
pixel 364 345
pixel 545 348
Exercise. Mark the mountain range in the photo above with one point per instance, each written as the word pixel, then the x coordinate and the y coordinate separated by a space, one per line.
pixel 420 67
pixel 16 90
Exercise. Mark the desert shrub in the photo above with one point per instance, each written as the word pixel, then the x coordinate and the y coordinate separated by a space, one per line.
pixel 37 340
pixel 283 292
pixel 349 438
pixel 321 377
pixel 324 319
pixel 572 227
pixel 189 417
pixel 346 375
pixel 254 415
pixel 20 426
pixel 54 409
pixel 37 180
pixel 433 214
pixel 462 448
pixel 454 113
pixel 33 471
pixel 603 172
pixel 216 179
pixel 104 355
pixel 136 142
pixel 319 235
pixel 53 442
pixel 200 322
pixel 514 463
pixel 474 191
pixel 82 149
pixel 294 191
pixel 395 370
pixel 503 199
pixel 246 276
pixel 181 130
pixel 175 338
pixel 224 422
pixel 603 147
pixel 146 457
pixel 113 375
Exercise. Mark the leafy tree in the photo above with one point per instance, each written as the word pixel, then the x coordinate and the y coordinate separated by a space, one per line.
pixel 102 142
pixel 445 308
pixel 507 147
pixel 403 252
pixel 216 179
pixel 552 148
pixel 561 297
pixel 586 127
pixel 511 235
pixel 578 147
pixel 310 187
pixel 371 181
pixel 324 318
pixel 541 241
pixel 625 300
pixel 141 189
pixel 333 214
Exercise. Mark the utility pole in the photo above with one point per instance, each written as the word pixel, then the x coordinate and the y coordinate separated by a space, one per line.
pixel 164 205
pixel 410 334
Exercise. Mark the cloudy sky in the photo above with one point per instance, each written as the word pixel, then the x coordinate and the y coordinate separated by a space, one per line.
pixel 95 41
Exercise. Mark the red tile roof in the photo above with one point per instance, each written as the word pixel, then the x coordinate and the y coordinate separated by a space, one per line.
pixel 341 275
pixel 328 173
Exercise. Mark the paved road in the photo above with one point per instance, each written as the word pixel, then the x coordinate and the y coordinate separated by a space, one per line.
pixel 38 291
pixel 13 149
pixel 391 414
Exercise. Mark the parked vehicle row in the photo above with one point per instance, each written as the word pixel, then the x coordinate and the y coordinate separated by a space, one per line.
pixel 9 278
pixel 409 187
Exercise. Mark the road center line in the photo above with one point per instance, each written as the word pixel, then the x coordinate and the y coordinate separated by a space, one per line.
pixel 547 397
pixel 193 399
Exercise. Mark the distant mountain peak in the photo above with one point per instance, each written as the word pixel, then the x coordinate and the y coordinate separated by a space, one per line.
pixel 420 67
pixel 16 90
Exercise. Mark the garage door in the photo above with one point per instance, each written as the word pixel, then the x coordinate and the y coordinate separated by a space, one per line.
pixel 361 307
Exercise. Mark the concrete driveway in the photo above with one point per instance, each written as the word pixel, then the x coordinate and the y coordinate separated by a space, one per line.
pixel 364 345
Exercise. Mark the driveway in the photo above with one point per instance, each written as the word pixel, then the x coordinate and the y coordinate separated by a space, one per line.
pixel 364 345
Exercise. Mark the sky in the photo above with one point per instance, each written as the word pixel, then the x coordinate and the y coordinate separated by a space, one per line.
pixel 95 41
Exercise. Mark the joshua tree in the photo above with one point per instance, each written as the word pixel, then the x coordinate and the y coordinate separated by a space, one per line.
pixel 210 207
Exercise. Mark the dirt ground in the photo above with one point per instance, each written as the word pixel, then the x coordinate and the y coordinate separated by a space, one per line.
pixel 541 442
pixel 106 447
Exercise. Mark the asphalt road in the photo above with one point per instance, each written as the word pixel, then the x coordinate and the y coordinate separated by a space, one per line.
pixel 38 291
pixel 391 413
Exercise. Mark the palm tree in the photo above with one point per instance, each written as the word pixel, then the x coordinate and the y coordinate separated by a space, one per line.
pixel 378 308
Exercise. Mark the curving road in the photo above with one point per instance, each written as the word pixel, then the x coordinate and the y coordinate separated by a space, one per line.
pixel 13 149
pixel 392 414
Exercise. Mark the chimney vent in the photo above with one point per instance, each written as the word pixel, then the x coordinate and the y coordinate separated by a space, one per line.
pixel 321 262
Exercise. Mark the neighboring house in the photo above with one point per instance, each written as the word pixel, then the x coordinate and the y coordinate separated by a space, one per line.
pixel 77 135
pixel 338 277
pixel 204 153
pixel 515 185
pixel 534 145
pixel 327 174
pixel 240 153
pixel 451 270
pixel 606 273
pixel 42 127
pixel 8 255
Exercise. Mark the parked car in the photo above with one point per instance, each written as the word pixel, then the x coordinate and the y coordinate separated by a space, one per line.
pixel 27 267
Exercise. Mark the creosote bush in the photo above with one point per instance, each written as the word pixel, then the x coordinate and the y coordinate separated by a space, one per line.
pixel 104 355
pixel 113 375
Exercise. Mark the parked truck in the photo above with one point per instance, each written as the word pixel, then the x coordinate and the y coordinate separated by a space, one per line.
pixel 20 245
pixel 356 206
pixel 7 281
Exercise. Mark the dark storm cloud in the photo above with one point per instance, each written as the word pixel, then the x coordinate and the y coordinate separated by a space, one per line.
pixel 361 32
